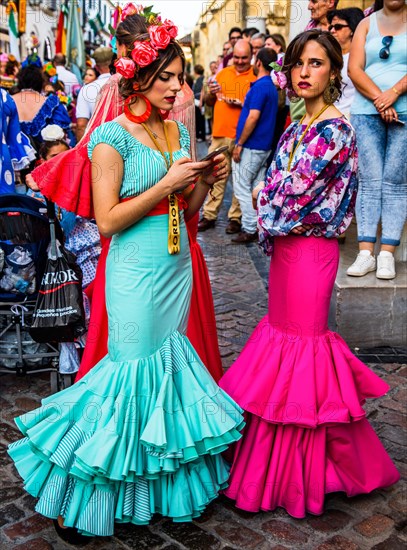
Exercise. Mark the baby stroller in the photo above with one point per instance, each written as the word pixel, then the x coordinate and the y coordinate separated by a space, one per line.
pixel 24 239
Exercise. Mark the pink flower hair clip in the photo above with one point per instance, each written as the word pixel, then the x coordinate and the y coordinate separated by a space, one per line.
pixel 280 76
pixel 145 51
pixel 126 67
pixel 131 9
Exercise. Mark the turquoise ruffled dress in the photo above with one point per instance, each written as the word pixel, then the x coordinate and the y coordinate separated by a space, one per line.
pixel 142 432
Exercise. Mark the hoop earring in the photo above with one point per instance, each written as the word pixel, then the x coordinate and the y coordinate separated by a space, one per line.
pixel 292 96
pixel 164 114
pixel 138 119
pixel 331 93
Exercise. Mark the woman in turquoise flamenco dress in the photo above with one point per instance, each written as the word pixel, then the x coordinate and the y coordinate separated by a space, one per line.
pixel 143 431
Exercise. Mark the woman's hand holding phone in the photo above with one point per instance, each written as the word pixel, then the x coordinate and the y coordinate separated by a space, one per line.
pixel 184 172
pixel 214 153
pixel 217 171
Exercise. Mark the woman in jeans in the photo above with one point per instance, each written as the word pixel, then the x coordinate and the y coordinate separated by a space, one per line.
pixel 378 67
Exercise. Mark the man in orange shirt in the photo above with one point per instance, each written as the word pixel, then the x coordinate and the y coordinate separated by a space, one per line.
pixel 227 95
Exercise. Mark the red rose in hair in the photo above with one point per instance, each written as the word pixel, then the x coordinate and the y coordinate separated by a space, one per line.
pixel 159 36
pixel 171 28
pixel 143 53
pixel 130 9
pixel 125 67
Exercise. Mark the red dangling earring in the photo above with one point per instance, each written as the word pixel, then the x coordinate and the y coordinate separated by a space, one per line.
pixel 134 118
pixel 164 114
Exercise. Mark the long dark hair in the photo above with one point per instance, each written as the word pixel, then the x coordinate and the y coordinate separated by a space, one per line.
pixel 326 40
pixel 134 28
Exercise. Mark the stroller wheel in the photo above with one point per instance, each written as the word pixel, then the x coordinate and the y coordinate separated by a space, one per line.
pixel 60 381
pixel 53 379
pixel 65 380
pixel 19 369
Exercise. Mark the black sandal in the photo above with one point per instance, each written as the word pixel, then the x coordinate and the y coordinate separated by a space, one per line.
pixel 71 535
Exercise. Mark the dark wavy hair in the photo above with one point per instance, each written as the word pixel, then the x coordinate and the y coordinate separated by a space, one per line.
pixel 10 66
pixel 30 77
pixel 353 16
pixel 134 28
pixel 326 40
pixel 46 146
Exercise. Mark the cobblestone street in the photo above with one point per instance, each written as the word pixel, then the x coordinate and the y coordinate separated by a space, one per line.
pixel 376 521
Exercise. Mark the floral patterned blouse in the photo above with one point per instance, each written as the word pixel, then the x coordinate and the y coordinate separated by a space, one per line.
pixel 320 188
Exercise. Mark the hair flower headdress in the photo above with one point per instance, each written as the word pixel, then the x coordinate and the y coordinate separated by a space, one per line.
pixel 64 98
pixel 145 50
pixel 52 132
pixel 280 76
pixel 51 72
pixel 32 59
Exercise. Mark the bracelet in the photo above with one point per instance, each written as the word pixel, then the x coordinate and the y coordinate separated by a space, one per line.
pixel 396 91
pixel 210 185
pixel 239 145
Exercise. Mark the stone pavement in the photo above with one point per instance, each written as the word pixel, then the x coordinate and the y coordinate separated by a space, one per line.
pixel 376 521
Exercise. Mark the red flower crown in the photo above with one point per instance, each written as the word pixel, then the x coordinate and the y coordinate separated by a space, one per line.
pixel 145 51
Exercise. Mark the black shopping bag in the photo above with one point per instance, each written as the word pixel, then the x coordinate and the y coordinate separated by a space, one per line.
pixel 59 314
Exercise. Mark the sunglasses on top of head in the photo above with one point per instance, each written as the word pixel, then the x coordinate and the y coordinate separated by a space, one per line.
pixel 385 51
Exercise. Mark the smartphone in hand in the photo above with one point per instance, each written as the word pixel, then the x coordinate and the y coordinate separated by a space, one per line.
pixel 214 153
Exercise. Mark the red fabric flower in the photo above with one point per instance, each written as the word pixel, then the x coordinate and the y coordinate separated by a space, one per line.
pixel 171 28
pixel 159 36
pixel 130 9
pixel 143 53
pixel 125 66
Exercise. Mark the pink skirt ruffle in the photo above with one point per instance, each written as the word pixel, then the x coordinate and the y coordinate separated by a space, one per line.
pixel 306 432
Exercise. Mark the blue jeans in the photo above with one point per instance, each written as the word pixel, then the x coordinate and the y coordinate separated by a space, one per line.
pixel 382 178
pixel 246 174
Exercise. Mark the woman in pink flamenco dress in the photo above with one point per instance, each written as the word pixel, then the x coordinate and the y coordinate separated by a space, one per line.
pixel 302 389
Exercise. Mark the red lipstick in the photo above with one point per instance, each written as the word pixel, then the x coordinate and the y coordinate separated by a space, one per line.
pixel 304 85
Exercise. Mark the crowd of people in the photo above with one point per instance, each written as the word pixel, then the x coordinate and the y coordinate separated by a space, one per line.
pixel 285 425
pixel 382 197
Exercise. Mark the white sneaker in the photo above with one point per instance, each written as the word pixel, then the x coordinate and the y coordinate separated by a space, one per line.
pixel 385 266
pixel 364 263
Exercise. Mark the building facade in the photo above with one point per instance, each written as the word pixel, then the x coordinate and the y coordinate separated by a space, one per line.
pixel 41 20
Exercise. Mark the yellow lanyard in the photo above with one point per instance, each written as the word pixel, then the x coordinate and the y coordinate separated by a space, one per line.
pixel 313 119
pixel 174 235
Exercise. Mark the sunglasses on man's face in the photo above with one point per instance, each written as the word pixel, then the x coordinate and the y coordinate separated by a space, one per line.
pixel 337 27
pixel 385 52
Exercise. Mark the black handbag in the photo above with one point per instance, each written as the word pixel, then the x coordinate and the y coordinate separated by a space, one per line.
pixel 59 315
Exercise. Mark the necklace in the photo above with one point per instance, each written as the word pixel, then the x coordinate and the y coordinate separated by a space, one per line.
pixel 313 119
pixel 173 215
pixel 29 90
pixel 156 136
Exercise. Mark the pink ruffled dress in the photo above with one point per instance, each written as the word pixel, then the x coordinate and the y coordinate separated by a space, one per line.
pixel 303 390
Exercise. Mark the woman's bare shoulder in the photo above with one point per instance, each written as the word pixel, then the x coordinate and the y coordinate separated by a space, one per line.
pixel 364 25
